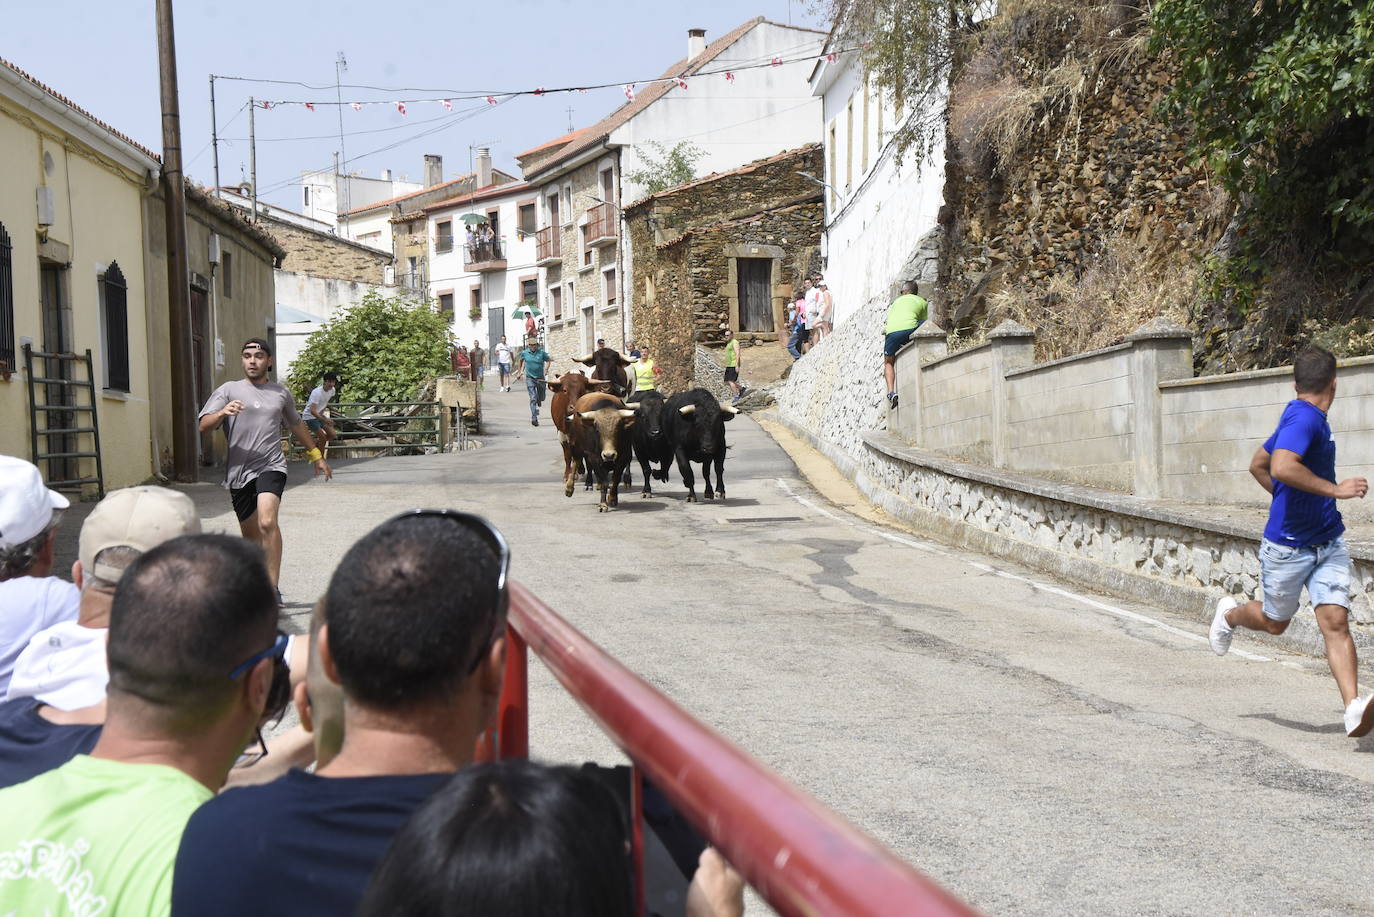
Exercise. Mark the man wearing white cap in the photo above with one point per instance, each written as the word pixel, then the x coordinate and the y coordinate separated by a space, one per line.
pixel 56 699
pixel 30 599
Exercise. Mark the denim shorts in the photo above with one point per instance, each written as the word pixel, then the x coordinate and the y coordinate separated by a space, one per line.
pixel 895 341
pixel 1284 570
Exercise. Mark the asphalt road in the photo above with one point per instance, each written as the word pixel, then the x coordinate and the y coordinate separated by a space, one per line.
pixel 1035 748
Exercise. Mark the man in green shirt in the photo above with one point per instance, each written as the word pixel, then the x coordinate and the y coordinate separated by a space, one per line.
pixel 534 363
pixel 904 316
pixel 195 667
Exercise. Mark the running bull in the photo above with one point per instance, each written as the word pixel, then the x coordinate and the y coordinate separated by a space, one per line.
pixel 696 430
pixel 601 428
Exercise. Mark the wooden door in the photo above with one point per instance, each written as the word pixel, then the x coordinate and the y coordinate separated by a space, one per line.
pixel 755 294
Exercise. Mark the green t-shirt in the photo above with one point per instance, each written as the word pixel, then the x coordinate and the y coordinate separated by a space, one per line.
pixel 94 838
pixel 905 313
pixel 732 353
pixel 534 361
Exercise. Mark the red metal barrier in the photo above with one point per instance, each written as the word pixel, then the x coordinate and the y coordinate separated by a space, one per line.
pixel 802 858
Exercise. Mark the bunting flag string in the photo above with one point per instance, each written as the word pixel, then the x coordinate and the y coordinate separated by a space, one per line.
pixel 629 89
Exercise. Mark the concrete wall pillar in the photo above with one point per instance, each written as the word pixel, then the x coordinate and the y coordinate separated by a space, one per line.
pixel 1160 350
pixel 927 342
pixel 1013 347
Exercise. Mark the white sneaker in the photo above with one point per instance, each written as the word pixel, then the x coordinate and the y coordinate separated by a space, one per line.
pixel 1220 635
pixel 1359 717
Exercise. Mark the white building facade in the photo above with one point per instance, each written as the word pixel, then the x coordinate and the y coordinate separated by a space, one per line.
pixel 325 194
pixel 482 282
pixel 877 206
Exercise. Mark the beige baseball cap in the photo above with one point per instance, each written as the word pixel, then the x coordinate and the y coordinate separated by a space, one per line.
pixel 135 517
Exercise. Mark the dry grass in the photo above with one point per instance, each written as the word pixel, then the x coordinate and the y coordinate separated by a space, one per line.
pixel 1122 289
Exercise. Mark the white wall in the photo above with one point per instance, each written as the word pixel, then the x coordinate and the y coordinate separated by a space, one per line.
pixel 878 207
pixel 500 289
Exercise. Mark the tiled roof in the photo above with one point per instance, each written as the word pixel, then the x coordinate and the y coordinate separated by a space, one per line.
pixel 598 132
pixel 566 138
pixel 81 111
pixel 742 170
pixel 407 196
pixel 481 194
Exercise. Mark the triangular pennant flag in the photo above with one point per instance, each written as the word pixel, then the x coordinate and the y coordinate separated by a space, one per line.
pixel 265 104
pixel 729 77
pixel 357 106
pixel 310 106
pixel 401 107
pixel 448 106
pixel 630 91
pixel 681 83
pixel 539 91
pixel 776 62
pixel 832 57
pixel 583 91
pixel 491 100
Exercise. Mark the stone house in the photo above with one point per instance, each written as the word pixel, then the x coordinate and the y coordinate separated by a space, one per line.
pixel 724 97
pixel 725 251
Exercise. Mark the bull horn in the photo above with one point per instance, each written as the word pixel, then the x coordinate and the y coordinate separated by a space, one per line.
pixel 729 409
pixel 587 359
pixel 626 412
pixel 594 379
pixel 687 410
pixel 586 415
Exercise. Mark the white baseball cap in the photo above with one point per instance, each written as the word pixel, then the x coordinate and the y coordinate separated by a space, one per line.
pixel 26 504
pixel 134 517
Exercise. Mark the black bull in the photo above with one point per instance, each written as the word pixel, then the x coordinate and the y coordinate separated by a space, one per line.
pixel 696 430
pixel 651 439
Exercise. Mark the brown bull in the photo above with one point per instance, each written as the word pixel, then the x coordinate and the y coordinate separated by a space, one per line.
pixel 567 389
pixel 608 364
pixel 601 428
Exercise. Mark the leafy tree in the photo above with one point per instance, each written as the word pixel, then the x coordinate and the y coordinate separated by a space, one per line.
pixel 383 348
pixel 1280 96
pixel 665 168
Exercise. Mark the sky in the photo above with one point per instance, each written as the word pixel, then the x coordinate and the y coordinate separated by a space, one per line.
pixel 106 62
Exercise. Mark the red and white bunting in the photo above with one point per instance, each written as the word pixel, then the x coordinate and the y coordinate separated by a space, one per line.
pixel 401 107
pixel 582 91
pixel 357 106
pixel 630 91
pixel 832 57
pixel 491 100
pixel 309 106
pixel 729 77
pixel 681 83
pixel 539 91
pixel 776 62
pixel 448 106
pixel 265 105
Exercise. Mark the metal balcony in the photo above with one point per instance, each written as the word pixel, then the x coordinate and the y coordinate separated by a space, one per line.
pixel 547 246
pixel 601 229
pixel 484 256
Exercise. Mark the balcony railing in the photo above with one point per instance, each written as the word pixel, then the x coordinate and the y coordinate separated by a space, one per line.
pixel 484 256
pixel 547 247
pixel 601 225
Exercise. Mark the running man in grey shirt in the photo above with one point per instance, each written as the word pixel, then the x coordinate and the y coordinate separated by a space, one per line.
pixel 252 411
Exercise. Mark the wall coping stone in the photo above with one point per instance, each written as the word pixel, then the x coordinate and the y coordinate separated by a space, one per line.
pixel 1011 329
pixel 1160 328
pixel 926 331
pixel 1243 522
pixel 958 353
pixel 1072 358
pixel 1223 378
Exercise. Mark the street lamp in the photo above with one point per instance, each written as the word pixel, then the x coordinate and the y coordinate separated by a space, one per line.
pixel 814 180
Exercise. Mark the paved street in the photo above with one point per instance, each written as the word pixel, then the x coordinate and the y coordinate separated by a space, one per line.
pixel 1034 748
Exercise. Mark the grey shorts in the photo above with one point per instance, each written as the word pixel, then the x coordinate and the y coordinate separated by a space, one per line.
pixel 1284 570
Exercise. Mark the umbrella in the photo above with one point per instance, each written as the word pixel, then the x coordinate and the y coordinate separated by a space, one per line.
pixel 522 311
pixel 473 219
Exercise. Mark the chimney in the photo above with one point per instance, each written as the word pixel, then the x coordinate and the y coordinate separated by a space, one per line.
pixel 386 175
pixel 483 166
pixel 434 169
pixel 696 43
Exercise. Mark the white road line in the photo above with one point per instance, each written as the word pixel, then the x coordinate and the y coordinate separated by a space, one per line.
pixel 1043 587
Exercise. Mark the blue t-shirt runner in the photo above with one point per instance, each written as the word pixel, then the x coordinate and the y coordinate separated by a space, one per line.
pixel 1296 517
pixel 534 363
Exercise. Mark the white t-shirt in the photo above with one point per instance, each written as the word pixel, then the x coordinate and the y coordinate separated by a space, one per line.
pixel 813 298
pixel 29 604
pixel 63 666
pixel 502 353
pixel 319 398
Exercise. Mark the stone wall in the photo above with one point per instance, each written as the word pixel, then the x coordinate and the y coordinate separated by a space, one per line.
pixel 1112 171
pixel 323 255
pixel 688 241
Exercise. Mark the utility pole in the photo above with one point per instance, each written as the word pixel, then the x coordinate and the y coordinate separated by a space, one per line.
pixel 214 136
pixel 178 270
pixel 253 156
pixel 341 194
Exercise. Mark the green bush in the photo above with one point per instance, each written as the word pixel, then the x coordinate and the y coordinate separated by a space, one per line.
pixel 383 348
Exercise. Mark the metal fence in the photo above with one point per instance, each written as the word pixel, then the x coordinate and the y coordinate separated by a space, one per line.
pixel 389 427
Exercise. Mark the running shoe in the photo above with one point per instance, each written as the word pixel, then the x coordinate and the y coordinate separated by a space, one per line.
pixel 1359 717
pixel 1220 635
pixel 891 399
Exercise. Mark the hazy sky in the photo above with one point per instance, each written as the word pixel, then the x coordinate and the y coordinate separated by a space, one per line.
pixel 103 55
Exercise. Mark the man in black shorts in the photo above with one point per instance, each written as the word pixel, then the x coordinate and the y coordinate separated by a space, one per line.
pixel 252 411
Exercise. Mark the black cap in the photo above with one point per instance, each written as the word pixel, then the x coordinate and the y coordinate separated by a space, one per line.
pixel 257 342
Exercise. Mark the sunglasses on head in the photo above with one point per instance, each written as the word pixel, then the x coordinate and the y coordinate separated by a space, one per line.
pixel 492 538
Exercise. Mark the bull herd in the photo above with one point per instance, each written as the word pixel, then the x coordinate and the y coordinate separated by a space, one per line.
pixel 600 433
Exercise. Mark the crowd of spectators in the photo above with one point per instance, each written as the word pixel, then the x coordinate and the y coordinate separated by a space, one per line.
pixel 134 776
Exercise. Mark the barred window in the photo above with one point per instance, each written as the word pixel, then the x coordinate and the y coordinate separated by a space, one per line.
pixel 114 296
